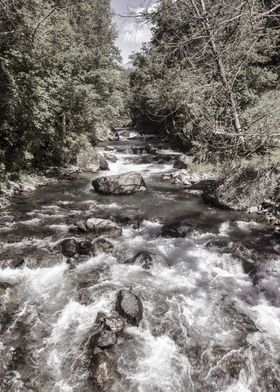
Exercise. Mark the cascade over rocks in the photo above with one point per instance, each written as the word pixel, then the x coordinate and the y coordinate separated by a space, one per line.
pixel 122 184
pixel 129 306
pixel 244 188
pixel 100 227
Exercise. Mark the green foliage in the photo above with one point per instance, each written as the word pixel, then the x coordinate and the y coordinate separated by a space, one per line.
pixel 180 89
pixel 58 79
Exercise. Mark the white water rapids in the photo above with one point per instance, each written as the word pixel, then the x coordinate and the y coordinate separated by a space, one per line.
pixel 208 324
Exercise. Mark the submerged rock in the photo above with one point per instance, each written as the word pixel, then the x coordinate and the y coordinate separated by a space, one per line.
pixel 122 184
pixel 182 162
pixel 100 227
pixel 129 306
pixel 143 258
pixel 244 188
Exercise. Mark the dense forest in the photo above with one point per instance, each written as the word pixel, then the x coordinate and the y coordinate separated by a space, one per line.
pixel 60 80
pixel 209 78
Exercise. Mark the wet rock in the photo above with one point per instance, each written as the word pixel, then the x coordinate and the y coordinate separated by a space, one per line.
pixel 115 323
pixel 68 247
pixel 244 188
pixel 103 371
pixel 101 245
pixel 180 177
pixel 106 339
pixel 103 163
pixel 122 184
pixel 183 162
pixel 143 258
pixel 129 306
pixel 100 227
pixel 138 150
pixel 110 157
pixel 218 243
pixel 129 220
pixel 151 149
pixel 179 228
pixel 85 248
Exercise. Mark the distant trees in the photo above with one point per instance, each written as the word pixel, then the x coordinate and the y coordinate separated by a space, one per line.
pixel 209 63
pixel 59 79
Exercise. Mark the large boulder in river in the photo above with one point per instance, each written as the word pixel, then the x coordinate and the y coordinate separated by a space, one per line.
pixel 244 188
pixel 129 306
pixel 100 227
pixel 122 184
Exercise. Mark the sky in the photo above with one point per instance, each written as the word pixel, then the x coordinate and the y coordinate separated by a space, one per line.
pixel 131 33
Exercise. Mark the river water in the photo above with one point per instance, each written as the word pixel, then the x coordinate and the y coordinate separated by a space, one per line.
pixel 211 300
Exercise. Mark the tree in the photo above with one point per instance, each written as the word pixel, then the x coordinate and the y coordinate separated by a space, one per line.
pixel 224 50
pixel 59 79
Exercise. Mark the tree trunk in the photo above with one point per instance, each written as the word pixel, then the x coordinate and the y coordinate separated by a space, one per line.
pixel 222 72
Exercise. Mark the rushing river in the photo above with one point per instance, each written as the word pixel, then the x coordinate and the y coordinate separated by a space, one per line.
pixel 211 300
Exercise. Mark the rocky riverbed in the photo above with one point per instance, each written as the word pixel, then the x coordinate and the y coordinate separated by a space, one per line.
pixel 132 283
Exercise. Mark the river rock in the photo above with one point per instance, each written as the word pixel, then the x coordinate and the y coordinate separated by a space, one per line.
pixel 151 149
pixel 100 227
pixel 138 150
pixel 115 323
pixel 106 339
pixel 103 371
pixel 84 248
pixel 183 162
pixel 101 245
pixel 180 177
pixel 103 163
pixel 143 258
pixel 177 229
pixel 110 157
pixel 244 188
pixel 68 247
pixel 129 306
pixel 122 184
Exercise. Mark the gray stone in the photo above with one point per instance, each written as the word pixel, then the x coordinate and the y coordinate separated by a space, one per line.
pixel 106 339
pixel 68 247
pixel 122 184
pixel 100 227
pixel 129 306
pixel 103 246
pixel 143 258
pixel 244 188
pixel 182 162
